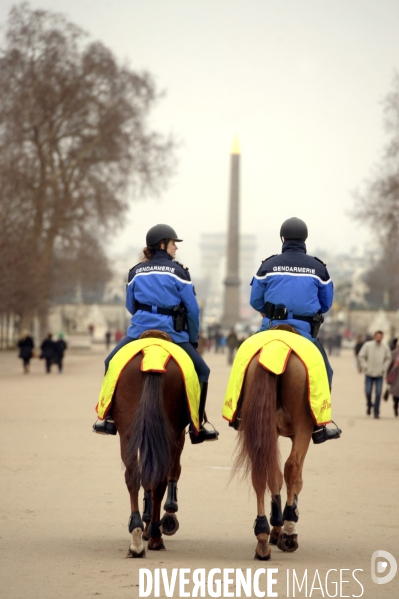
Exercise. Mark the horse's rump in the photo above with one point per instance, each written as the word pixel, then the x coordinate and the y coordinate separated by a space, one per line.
pixel 150 413
pixel 271 405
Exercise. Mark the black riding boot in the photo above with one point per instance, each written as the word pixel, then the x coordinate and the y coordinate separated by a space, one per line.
pixel 106 426
pixel 322 433
pixel 203 433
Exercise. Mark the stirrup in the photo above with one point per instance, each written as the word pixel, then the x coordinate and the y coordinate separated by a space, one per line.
pixel 322 433
pixel 105 427
pixel 204 434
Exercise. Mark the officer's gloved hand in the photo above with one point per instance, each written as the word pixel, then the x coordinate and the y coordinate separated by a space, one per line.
pixel 194 344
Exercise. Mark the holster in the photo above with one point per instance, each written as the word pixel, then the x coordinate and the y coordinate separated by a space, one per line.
pixel 180 318
pixel 317 321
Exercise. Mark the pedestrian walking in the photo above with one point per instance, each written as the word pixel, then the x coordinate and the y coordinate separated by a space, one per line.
pixel 26 347
pixel 337 344
pixel 393 381
pixel 358 347
pixel 232 344
pixel 108 339
pixel 374 359
pixel 218 342
pixel 48 352
pixel 59 349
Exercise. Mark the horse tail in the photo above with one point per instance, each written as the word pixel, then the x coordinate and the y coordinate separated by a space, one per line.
pixel 257 450
pixel 150 433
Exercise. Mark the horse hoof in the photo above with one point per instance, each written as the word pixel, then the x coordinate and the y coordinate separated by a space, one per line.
pixel 133 553
pixel 273 540
pixel 169 525
pixel 136 548
pixel 287 543
pixel 159 547
pixel 261 558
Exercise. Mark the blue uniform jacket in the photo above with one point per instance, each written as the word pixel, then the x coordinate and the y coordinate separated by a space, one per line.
pixel 161 282
pixel 298 281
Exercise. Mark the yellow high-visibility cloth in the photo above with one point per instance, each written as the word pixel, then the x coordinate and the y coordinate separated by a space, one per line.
pixel 274 348
pixel 156 354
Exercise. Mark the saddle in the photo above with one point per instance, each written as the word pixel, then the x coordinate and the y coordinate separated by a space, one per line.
pixel 154 333
pixel 284 327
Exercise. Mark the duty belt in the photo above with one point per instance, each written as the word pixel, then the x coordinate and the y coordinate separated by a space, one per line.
pixel 280 312
pixel 147 308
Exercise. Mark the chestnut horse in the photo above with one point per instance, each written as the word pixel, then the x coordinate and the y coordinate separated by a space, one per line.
pixel 150 414
pixel 274 405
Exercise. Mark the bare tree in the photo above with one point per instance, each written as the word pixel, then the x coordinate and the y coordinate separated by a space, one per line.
pixel 85 266
pixel 377 205
pixel 74 143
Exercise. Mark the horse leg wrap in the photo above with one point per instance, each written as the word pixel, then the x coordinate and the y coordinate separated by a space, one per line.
pixel 291 512
pixel 276 515
pixel 153 530
pixel 147 507
pixel 171 499
pixel 135 521
pixel 261 525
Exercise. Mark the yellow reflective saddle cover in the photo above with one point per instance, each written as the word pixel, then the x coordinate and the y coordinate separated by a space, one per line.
pixel 156 354
pixel 274 348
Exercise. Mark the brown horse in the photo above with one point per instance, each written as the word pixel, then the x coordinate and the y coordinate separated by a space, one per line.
pixel 271 406
pixel 150 414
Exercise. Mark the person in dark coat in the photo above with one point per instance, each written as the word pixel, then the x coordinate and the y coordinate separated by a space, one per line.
pixel 358 347
pixel 59 346
pixel 108 339
pixel 232 345
pixel 48 352
pixel 26 347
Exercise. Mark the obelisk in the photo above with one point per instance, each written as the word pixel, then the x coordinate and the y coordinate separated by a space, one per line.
pixel 231 313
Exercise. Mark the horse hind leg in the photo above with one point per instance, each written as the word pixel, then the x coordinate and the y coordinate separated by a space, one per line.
pixel 262 531
pixel 136 547
pixel 288 539
pixel 135 524
pixel 276 519
pixel 155 541
pixel 147 510
pixel 169 522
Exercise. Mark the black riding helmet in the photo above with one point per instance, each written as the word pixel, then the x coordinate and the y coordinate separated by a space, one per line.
pixel 294 228
pixel 159 233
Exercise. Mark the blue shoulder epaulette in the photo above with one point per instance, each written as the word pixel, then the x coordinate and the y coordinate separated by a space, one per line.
pixel 138 263
pixel 318 259
pixel 180 264
pixel 272 256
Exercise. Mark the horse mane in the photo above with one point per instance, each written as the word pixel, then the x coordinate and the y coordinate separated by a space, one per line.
pixel 257 444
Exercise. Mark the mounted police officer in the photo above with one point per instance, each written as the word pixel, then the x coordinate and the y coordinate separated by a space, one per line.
pixel 295 289
pixel 160 295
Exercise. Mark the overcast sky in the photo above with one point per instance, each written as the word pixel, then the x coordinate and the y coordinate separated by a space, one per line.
pixel 300 82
